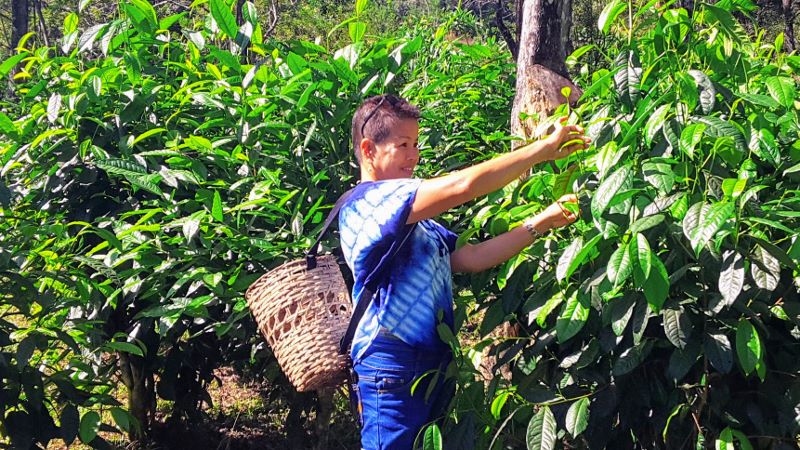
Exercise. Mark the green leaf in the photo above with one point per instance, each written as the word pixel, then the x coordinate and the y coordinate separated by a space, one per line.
pixel 90 36
pixel 706 91
pixel 550 305
pixel 609 14
pixel 70 23
pixel 682 360
pixel 541 433
pixel 718 350
pixel 765 269
pixel 628 360
pixel 90 423
pixel 645 223
pixel 764 145
pixel 361 5
pixel 609 188
pixel 759 100
pixel 221 12
pixel 566 258
pixel 216 207
pixel 573 316
pixel 621 312
pixel 122 418
pixel 147 134
pixel 782 89
pixel 497 404
pixel 11 62
pixel 725 441
pixel 126 347
pixel 716 127
pixel 690 137
pixel 642 257
pixel 677 326
pixel 356 31
pixel 620 265
pixel 733 187
pixel 433 438
pixel 731 278
pixel 574 255
pixel 53 106
pixel 702 221
pixel 660 175
pixel 655 122
pixel 121 167
pixel 748 346
pixel 628 79
pixel 69 424
pixel 7 126
pixel 578 417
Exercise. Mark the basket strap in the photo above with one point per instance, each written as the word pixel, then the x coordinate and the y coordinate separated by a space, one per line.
pixel 311 255
pixel 367 296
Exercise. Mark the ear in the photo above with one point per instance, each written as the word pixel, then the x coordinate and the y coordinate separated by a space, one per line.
pixel 367 149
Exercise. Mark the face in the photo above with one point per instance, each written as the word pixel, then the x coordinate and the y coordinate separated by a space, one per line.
pixel 396 156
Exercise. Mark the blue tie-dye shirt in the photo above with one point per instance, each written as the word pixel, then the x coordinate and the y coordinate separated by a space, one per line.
pixel 416 284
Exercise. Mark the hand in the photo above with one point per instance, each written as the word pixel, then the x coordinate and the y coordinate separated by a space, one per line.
pixel 565 140
pixel 557 215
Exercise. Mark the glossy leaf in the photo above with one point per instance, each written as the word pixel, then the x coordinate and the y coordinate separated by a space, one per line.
pixel 609 188
pixel 541 433
pixel 703 220
pixel 677 327
pixel 573 316
pixel 578 417
pixel 660 175
pixel 90 423
pixel 620 265
pixel 748 346
pixel 717 348
pixel 433 438
pixel 225 19
pixel 706 91
pixel 765 269
pixel 731 278
pixel 782 89
pixel 609 14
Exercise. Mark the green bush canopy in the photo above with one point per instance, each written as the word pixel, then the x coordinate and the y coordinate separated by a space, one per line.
pixel 152 168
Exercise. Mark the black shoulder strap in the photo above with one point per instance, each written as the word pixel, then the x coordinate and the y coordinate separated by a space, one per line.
pixel 311 255
pixel 367 296
pixel 369 291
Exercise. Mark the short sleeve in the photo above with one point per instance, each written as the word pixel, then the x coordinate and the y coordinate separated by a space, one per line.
pixel 373 220
pixel 450 238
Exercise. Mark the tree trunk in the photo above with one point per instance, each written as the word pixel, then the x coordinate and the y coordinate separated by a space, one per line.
pixel 19 21
pixel 541 70
pixel 688 5
pixel 788 19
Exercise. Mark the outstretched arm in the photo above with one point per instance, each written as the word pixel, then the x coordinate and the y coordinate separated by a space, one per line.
pixel 440 194
pixel 487 254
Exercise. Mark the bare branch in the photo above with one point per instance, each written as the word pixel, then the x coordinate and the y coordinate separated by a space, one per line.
pixel 273 13
pixel 501 25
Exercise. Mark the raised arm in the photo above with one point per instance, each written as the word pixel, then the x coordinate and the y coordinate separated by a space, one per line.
pixel 440 194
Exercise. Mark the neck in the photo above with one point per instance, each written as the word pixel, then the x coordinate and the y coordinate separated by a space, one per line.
pixel 367 176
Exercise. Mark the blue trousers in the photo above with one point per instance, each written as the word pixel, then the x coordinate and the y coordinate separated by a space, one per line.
pixel 391 416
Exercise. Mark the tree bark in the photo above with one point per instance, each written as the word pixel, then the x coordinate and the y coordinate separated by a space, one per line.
pixel 788 20
pixel 19 21
pixel 541 68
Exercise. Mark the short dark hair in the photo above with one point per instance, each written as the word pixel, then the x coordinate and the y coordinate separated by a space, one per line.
pixel 376 116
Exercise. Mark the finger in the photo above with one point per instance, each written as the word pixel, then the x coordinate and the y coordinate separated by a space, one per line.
pixel 568 198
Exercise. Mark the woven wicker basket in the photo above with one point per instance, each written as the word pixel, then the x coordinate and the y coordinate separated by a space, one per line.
pixel 303 314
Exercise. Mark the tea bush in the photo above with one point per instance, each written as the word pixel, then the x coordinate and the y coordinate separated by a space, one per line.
pixel 668 317
pixel 152 168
